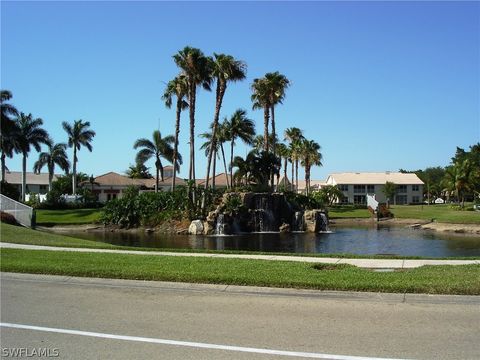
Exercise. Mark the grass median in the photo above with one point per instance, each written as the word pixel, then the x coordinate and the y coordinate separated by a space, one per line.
pixel 463 280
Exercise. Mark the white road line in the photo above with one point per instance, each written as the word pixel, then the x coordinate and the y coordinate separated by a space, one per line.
pixel 192 344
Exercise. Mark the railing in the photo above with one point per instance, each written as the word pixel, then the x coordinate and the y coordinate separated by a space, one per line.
pixel 25 215
pixel 372 202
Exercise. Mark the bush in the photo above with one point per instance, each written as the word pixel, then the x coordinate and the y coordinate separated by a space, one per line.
pixel 9 190
pixel 7 218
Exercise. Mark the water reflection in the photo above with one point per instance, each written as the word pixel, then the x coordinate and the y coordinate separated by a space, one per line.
pixel 353 240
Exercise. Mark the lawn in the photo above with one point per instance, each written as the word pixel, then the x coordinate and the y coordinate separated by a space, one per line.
pixel 68 217
pixel 429 279
pixel 440 213
pixel 348 213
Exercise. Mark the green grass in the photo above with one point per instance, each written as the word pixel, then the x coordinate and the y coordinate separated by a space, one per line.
pixel 68 217
pixel 429 279
pixel 440 213
pixel 348 213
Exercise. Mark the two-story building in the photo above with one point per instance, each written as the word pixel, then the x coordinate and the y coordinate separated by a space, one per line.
pixel 356 185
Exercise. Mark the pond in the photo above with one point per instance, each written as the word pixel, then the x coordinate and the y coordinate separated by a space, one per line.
pixel 361 240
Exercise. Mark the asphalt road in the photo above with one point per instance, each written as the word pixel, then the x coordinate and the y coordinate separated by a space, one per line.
pixel 118 319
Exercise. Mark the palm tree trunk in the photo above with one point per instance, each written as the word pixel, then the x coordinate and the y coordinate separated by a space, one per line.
pixel 265 127
pixel 224 162
pixel 285 164
pixel 191 98
pixel 307 179
pixel 175 146
pixel 232 144
pixel 156 179
pixel 50 180
pixel 24 176
pixel 214 168
pixel 292 184
pixel 296 173
pixel 3 166
pixel 74 170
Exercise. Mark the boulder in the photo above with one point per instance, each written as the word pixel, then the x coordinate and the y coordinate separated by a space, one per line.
pixel 196 227
pixel 284 228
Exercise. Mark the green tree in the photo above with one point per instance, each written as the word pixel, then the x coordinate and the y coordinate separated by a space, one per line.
pixel 239 127
pixel 389 190
pixel 295 137
pixel 79 134
pixel 138 171
pixel 284 153
pixel 261 100
pixel 224 69
pixel 197 69
pixel 56 155
pixel 310 155
pixel 30 134
pixel 8 129
pixel 178 88
pixel 328 194
pixel 157 148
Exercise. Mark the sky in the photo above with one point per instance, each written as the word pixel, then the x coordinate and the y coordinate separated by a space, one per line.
pixel 379 85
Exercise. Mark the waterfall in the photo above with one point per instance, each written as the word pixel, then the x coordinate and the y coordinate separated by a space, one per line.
pixel 220 226
pixel 263 218
pixel 298 223
pixel 324 222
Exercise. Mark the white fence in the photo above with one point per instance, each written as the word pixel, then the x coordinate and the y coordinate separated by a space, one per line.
pixel 372 202
pixel 23 214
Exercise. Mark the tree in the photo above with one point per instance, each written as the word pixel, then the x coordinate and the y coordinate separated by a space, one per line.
pixel 239 127
pixel 310 156
pixel 138 171
pixel 158 148
pixel 197 69
pixel 224 69
pixel 329 194
pixel 284 153
pixel 56 155
pixel 294 136
pixel 79 134
pixel 389 190
pixel 261 100
pixel 178 87
pixel 8 129
pixel 30 134
pixel 458 178
pixel 257 168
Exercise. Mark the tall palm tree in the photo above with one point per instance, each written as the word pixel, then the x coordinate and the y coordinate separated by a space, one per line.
pixel 294 136
pixel 56 154
pixel 284 152
pixel 79 134
pixel 277 85
pixel 222 138
pixel 8 129
pixel 207 147
pixel 224 69
pixel 310 156
pixel 158 148
pixel 261 100
pixel 30 134
pixel 239 127
pixel 178 87
pixel 196 68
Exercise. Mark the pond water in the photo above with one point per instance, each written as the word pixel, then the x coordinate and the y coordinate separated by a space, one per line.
pixel 361 240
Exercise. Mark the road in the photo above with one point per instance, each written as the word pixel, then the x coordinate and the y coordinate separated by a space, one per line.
pixel 125 319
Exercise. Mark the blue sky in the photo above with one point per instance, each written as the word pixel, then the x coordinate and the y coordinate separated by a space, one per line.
pixel 379 85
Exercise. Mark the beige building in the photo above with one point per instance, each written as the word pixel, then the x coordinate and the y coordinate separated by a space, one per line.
pixel 356 185
pixel 36 183
pixel 113 185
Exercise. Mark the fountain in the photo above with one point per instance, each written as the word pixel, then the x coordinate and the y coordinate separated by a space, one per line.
pixel 298 223
pixel 220 226
pixel 323 223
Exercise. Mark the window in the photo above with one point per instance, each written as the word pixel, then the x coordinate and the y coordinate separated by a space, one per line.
pixel 109 197
pixel 343 187
pixel 401 199
pixel 401 188
pixel 359 189
pixel 416 199
pixel 344 200
pixel 359 199
pixel 370 189
pixel 415 188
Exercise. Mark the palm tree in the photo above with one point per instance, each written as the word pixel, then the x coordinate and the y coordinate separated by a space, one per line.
pixel 158 148
pixel 138 171
pixel 225 69
pixel 284 152
pixel 207 146
pixel 261 100
pixel 30 134
pixel 239 127
pixel 56 155
pixel 294 136
pixel 277 84
pixel 177 87
pixel 196 68
pixel 310 156
pixel 78 135
pixel 389 191
pixel 8 129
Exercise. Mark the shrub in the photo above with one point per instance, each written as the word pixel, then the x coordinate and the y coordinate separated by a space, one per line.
pixel 7 218
pixel 9 190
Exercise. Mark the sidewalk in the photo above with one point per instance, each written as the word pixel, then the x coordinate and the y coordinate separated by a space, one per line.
pixel 363 263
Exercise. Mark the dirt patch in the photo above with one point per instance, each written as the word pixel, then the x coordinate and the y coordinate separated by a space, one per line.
pixel 467 229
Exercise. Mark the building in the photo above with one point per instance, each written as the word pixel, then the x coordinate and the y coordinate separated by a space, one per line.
pixel 315 185
pixel 36 183
pixel 356 185
pixel 112 185
pixel 221 181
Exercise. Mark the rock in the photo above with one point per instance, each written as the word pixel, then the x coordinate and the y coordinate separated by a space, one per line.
pixel 208 228
pixel 284 228
pixel 196 227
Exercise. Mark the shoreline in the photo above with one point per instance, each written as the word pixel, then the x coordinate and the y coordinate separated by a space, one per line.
pixel 180 228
